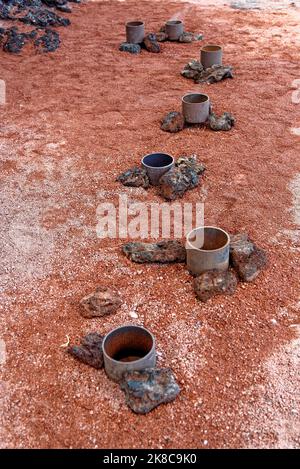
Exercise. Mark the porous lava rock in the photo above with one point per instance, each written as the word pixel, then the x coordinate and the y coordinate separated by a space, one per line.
pixel 162 252
pixel 147 389
pixel 215 282
pixel 246 258
pixel 173 122
pixel 101 302
pixel 225 122
pixel 134 177
pixel 90 350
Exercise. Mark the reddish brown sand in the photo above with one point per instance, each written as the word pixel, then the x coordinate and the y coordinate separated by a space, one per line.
pixel 73 121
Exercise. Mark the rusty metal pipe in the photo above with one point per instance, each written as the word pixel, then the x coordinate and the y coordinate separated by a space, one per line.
pixel 174 29
pixel 195 108
pixel 157 164
pixel 128 348
pixel 135 32
pixel 211 55
pixel 207 248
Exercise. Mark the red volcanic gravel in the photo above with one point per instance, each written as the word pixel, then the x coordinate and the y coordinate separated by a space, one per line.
pixel 73 121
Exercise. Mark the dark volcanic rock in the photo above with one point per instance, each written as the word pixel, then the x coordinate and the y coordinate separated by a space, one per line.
pixel 214 74
pixel 33 12
pixel 186 37
pixel 161 36
pixel 15 41
pixel 162 252
pixel 101 302
pixel 149 388
pixel 131 48
pixel 192 163
pixel 177 181
pixel 215 282
pixel 224 122
pixel 151 43
pixel 48 41
pixel 90 350
pixel 194 70
pixel 173 122
pixel 246 258
pixel 135 177
pixel 43 17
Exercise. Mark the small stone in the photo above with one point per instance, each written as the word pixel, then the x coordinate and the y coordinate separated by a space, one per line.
pixel 214 74
pixel 161 36
pixel 131 48
pixel 198 37
pixel 90 350
pixel 173 122
pixel 215 282
pixel 162 252
pixel 149 388
pixel 101 302
pixel 225 122
pixel 195 71
pixel 246 258
pixel 134 177
pixel 177 181
pixel 151 43
pixel 186 37
pixel 192 163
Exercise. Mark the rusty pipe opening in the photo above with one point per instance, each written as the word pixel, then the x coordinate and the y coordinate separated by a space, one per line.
pixel 135 23
pixel 128 348
pixel 211 48
pixel 171 22
pixel 207 248
pixel 193 98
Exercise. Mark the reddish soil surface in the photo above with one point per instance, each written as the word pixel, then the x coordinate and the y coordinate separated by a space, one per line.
pixel 76 118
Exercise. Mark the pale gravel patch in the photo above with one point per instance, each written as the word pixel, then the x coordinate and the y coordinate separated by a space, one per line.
pixel 276 409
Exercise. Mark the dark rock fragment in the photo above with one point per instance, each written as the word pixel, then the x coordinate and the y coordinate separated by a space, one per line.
pixel 90 350
pixel 215 282
pixel 161 36
pixel 101 302
pixel 195 71
pixel 162 252
pixel 151 43
pixel 42 17
pixel 246 258
pixel 47 42
pixel 173 122
pixel 149 388
pixel 225 122
pixel 192 163
pixel 131 48
pixel 15 41
pixel 177 181
pixel 135 177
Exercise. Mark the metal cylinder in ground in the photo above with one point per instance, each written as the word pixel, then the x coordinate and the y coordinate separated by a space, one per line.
pixel 211 55
pixel 174 29
pixel 207 248
pixel 195 108
pixel 135 32
pixel 157 164
pixel 128 348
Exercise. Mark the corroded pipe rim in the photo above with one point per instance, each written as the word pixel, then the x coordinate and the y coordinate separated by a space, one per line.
pixel 172 161
pixel 117 362
pixel 173 22
pixel 135 24
pixel 189 244
pixel 211 48
pixel 195 94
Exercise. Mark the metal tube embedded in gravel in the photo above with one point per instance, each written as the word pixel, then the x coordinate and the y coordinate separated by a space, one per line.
pixel 207 248
pixel 135 32
pixel 157 164
pixel 128 348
